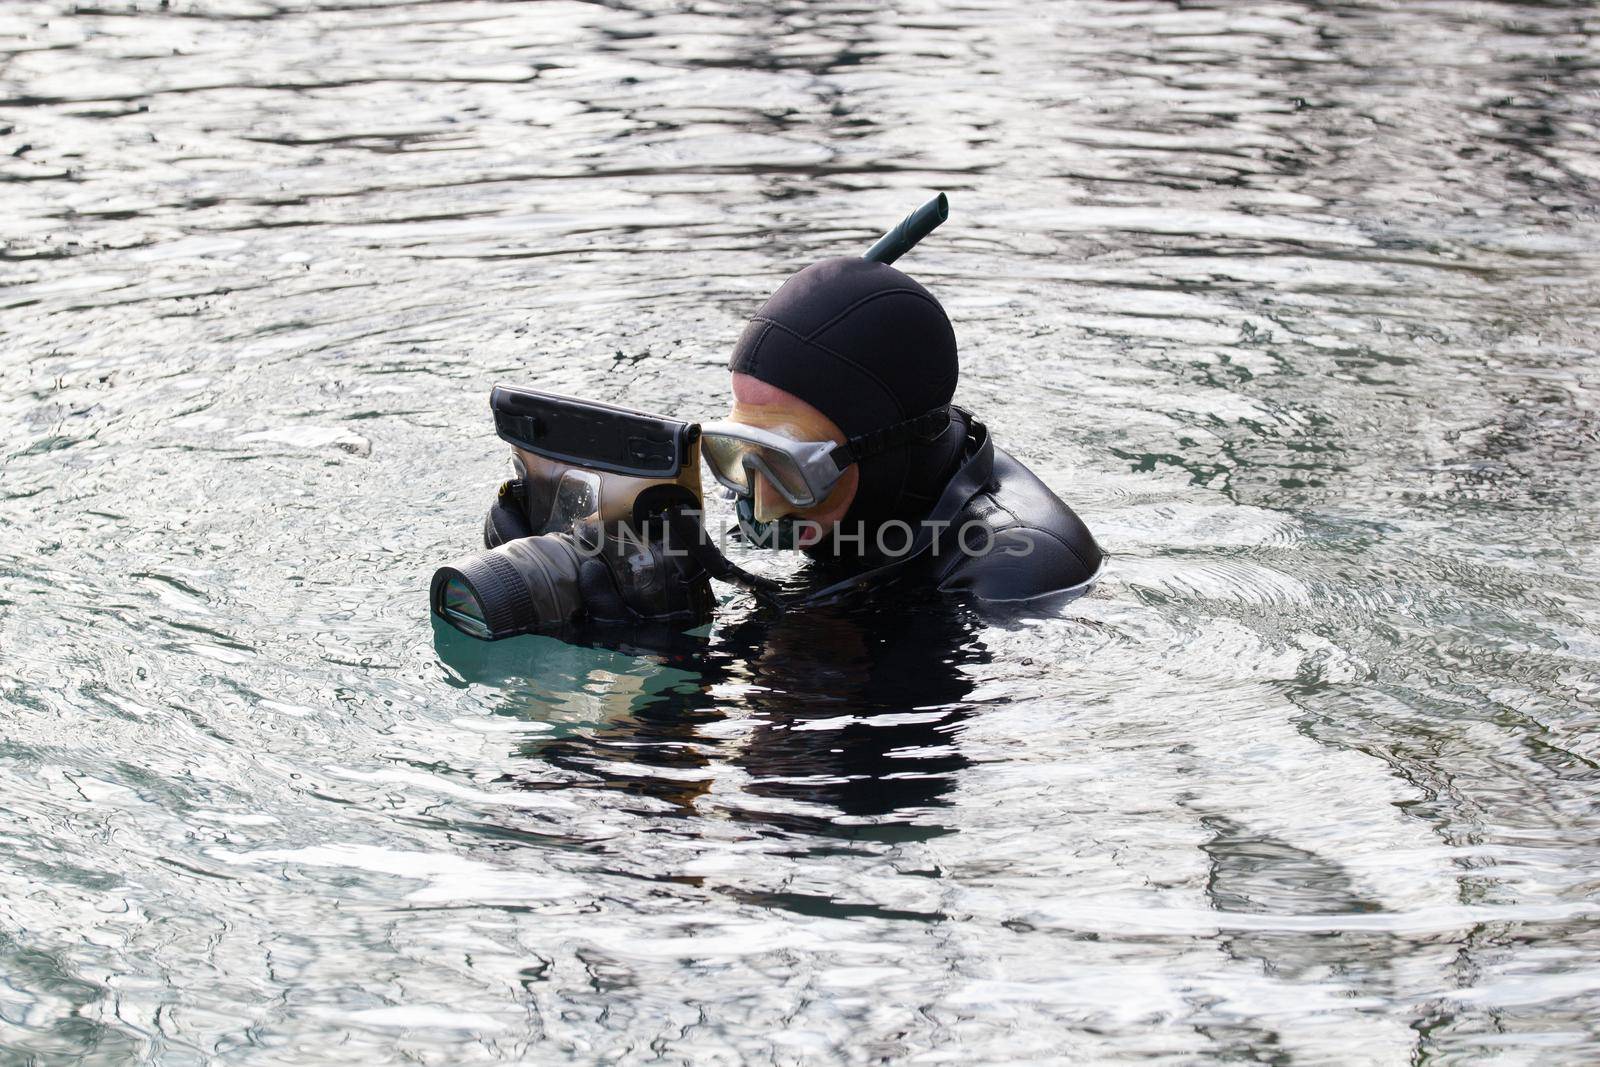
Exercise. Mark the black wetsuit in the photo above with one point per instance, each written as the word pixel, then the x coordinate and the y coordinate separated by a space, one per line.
pixel 1002 535
pixel 1038 545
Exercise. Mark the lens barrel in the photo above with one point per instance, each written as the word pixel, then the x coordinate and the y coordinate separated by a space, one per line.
pixel 524 586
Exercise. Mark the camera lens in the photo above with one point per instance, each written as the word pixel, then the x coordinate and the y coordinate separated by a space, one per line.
pixel 523 586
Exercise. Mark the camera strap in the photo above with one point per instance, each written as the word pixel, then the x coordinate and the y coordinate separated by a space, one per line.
pixel 689 533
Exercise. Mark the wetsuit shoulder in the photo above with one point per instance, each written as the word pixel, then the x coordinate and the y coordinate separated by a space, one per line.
pixel 1036 545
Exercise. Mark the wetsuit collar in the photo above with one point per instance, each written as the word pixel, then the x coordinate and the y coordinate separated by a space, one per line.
pixel 974 475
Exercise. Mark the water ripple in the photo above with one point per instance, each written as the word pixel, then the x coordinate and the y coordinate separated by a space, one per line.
pixel 1293 301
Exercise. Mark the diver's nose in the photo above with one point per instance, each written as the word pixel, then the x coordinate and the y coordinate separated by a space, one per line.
pixel 770 503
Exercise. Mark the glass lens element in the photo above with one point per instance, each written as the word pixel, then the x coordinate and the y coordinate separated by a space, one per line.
pixel 781 468
pixel 459 606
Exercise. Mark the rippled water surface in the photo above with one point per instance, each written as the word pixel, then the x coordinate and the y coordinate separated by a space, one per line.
pixel 1294 302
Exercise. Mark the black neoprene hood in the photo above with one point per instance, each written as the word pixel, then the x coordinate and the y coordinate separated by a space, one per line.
pixel 863 344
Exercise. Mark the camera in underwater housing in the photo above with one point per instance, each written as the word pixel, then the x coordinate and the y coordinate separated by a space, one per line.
pixel 584 461
pixel 579 536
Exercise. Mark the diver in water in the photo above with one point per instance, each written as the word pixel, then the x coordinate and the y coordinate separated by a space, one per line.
pixel 854 363
pixel 842 441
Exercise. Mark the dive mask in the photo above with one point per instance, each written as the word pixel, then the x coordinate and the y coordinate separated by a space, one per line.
pixel 803 472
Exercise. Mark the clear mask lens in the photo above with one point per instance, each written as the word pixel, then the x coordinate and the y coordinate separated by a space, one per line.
pixel 725 456
pixel 735 464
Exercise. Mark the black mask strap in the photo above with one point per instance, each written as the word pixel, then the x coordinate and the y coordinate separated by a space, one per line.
pixel 924 427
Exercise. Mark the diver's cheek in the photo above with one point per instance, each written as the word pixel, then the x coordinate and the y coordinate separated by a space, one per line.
pixel 770 504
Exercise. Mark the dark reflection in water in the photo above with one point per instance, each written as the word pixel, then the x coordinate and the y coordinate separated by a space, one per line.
pixel 861 708
pixel 850 715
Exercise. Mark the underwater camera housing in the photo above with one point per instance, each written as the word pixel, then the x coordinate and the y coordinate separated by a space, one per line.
pixel 583 462
pixel 592 478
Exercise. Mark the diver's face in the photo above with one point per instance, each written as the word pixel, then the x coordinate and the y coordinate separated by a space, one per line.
pixel 766 407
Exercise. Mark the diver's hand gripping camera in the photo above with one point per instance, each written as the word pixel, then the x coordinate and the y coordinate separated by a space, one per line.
pixel 585 533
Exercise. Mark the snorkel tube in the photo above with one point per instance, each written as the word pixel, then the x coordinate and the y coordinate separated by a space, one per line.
pixel 913 228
